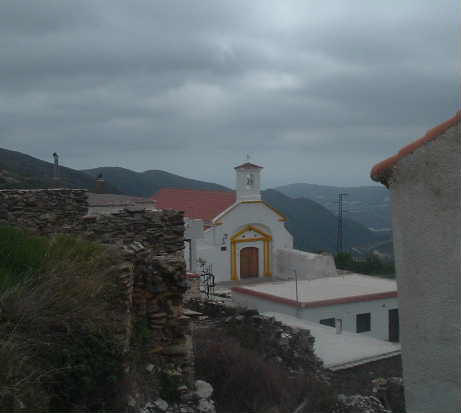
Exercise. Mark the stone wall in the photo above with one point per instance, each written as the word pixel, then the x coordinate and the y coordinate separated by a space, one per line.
pixel 43 211
pixel 150 272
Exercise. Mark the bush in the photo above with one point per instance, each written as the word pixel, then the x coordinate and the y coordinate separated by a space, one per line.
pixel 372 265
pixel 244 381
pixel 20 255
pixel 58 342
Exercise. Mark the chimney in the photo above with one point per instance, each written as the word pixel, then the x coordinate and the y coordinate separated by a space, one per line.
pixel 99 185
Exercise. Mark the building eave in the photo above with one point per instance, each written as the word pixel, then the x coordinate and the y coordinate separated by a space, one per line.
pixel 383 171
pixel 216 221
pixel 318 303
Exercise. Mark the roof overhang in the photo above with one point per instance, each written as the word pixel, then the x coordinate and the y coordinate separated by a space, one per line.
pixel 318 303
pixel 248 165
pixel 383 171
pixel 217 220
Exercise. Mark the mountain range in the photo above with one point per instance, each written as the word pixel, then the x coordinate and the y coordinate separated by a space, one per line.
pixel 368 205
pixel 18 170
pixel 147 183
pixel 313 225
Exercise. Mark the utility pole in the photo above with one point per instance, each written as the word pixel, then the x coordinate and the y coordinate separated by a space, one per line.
pixel 339 236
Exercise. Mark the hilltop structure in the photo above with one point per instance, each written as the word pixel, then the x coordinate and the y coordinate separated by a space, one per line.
pixel 244 237
pixel 424 181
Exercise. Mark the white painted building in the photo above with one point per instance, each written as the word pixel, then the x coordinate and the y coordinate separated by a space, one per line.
pixel 424 181
pixel 352 302
pixel 341 350
pixel 243 237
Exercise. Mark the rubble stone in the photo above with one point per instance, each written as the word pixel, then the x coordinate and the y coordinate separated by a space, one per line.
pixel 203 389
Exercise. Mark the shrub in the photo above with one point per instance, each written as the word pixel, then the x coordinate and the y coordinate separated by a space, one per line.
pixel 372 265
pixel 20 255
pixel 244 381
pixel 58 341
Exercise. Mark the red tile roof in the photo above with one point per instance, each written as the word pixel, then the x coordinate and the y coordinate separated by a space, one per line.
pixel 248 165
pixel 195 203
pixel 382 171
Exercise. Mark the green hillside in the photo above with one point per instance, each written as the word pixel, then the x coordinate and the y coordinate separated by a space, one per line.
pixel 368 205
pixel 314 227
pixel 18 170
pixel 147 183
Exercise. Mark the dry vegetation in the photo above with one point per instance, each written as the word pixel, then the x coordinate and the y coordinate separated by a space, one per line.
pixel 58 347
pixel 244 381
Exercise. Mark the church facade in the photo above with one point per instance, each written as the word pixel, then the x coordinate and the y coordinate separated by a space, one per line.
pixel 241 231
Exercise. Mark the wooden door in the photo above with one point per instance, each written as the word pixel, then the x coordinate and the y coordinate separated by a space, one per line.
pixel 249 262
pixel 394 329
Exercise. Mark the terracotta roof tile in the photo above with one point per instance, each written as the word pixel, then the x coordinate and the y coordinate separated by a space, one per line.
pixel 382 171
pixel 247 165
pixel 201 204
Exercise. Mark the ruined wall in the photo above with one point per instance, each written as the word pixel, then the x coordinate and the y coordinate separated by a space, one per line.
pixel 150 273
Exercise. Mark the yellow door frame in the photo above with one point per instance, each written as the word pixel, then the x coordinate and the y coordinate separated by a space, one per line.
pixel 266 238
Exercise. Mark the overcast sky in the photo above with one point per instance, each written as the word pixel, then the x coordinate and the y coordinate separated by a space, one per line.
pixel 315 91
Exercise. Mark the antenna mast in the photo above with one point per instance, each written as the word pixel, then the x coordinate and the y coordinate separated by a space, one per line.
pixel 339 236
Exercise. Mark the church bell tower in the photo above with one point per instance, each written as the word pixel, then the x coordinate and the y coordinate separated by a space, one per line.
pixel 248 182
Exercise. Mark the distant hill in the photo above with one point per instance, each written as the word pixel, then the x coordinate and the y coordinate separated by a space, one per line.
pixel 312 224
pixel 148 183
pixel 314 227
pixel 368 205
pixel 18 170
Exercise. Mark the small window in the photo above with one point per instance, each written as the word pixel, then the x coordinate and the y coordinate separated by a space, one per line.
pixel 363 322
pixel 328 322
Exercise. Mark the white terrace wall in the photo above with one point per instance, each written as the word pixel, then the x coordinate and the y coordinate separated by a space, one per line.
pixel 150 276
pixel 378 309
pixel 308 266
pixel 426 218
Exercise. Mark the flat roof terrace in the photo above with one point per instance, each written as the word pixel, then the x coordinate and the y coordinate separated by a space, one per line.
pixel 346 288
pixel 341 351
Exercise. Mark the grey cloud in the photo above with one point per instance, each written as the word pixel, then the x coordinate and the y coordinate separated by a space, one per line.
pixel 167 85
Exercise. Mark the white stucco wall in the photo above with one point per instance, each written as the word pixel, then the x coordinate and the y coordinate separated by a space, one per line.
pixel 427 232
pixel 245 191
pixel 379 310
pixel 256 214
pixel 307 265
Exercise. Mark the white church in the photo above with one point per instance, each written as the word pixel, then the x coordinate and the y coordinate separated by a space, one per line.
pixel 243 236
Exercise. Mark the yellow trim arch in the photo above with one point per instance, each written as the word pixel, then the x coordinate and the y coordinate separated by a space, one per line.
pixel 266 238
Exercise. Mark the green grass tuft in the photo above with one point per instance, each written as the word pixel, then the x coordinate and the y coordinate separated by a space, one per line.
pixel 59 343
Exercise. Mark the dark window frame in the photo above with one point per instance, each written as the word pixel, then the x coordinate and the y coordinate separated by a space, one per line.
pixel 363 322
pixel 328 322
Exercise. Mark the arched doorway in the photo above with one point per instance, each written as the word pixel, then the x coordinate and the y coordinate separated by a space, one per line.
pixel 249 261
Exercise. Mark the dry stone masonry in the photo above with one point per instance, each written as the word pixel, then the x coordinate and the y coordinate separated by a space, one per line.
pixel 150 273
